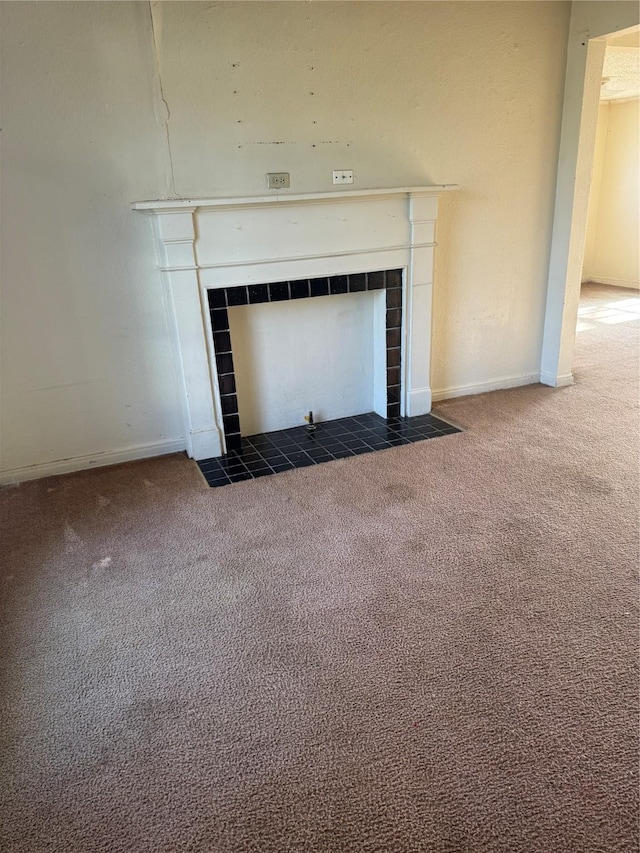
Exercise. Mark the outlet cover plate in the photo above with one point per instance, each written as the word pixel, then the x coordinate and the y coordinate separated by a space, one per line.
pixel 278 180
pixel 343 176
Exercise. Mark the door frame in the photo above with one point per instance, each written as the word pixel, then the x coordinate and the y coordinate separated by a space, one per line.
pixel 591 25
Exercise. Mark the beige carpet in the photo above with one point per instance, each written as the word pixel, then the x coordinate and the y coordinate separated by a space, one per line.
pixel 432 648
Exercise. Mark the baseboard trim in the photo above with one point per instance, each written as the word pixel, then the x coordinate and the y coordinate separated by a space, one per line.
pixel 483 387
pixel 556 381
pixel 615 282
pixel 13 476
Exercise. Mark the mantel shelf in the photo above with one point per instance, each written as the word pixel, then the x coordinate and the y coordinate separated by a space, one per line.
pixel 169 204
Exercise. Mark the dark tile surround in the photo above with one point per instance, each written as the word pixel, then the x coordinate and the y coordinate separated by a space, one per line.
pixel 270 453
pixel 223 298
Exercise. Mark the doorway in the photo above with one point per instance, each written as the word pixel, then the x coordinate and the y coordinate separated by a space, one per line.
pixel 612 246
pixel 592 24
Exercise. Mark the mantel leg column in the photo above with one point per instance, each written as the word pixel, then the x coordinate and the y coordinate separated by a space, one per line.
pixel 187 316
pixel 423 211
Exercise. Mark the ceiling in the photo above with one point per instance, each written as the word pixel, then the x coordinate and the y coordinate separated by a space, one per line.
pixel 621 71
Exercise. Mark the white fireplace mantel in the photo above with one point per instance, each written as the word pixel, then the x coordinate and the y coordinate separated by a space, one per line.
pixel 227 242
pixel 168 204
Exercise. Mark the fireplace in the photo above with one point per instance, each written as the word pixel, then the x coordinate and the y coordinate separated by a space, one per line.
pixel 218 254
pixel 221 299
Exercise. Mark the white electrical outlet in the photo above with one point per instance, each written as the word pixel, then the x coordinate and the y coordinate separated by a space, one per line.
pixel 277 180
pixel 343 176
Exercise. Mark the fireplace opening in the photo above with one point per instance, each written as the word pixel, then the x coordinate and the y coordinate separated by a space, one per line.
pixel 385 358
pixel 325 354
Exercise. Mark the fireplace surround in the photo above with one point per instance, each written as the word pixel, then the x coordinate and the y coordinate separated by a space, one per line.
pixel 223 298
pixel 210 251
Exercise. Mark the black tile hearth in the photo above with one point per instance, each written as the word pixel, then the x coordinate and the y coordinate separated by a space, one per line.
pixel 272 452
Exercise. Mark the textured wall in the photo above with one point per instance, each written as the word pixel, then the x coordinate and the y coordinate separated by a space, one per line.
pixel 402 93
pixel 85 362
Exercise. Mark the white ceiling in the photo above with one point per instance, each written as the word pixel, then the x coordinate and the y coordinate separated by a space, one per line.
pixel 621 71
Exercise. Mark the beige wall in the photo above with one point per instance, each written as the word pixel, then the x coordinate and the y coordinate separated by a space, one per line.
pixel 613 234
pixel 402 93
pixel 596 182
pixel 86 369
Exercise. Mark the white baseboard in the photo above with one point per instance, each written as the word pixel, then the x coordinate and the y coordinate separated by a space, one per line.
pixel 483 387
pixel 14 476
pixel 616 282
pixel 556 381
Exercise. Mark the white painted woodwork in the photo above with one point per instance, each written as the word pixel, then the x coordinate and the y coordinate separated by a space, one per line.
pixel 225 242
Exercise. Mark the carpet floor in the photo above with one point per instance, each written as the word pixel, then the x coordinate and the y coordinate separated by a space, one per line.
pixel 430 649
